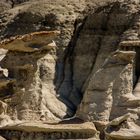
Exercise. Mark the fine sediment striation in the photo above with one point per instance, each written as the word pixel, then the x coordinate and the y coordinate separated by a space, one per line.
pixel 70 69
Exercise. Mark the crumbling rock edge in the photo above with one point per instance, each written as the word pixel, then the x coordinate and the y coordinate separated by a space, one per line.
pixel 123 128
pixel 54 131
pixel 24 43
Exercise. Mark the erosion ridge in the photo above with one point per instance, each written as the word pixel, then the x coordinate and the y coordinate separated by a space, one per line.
pixel 69 69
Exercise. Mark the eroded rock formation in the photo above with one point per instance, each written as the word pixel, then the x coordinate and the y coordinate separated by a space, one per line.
pixel 30 62
pixel 66 66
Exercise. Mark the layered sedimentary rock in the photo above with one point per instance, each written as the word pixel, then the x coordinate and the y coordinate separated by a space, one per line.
pixel 31 64
pixel 123 128
pixel 111 92
pixel 47 131
pixel 70 61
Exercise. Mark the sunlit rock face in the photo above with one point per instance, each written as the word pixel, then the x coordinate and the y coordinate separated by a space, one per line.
pixel 66 62
pixel 30 62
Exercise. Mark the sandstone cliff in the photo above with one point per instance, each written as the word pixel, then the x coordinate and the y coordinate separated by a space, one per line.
pixel 69 69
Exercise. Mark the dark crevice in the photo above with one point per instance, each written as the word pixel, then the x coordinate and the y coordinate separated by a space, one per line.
pixel 69 55
pixel 68 60
pixel 137 67
pixel 78 28
pixel 104 29
pixel 69 51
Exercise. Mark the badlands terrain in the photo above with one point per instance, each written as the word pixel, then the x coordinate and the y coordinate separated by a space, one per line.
pixel 69 69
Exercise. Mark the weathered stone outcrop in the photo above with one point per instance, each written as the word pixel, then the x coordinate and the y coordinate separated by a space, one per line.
pixel 111 91
pixel 123 128
pixel 33 42
pixel 70 59
pixel 47 131
pixel 30 61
